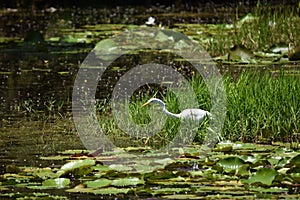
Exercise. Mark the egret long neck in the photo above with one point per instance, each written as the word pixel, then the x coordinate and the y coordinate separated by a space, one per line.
pixel 166 111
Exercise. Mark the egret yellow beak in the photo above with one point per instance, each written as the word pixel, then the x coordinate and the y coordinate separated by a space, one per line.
pixel 145 104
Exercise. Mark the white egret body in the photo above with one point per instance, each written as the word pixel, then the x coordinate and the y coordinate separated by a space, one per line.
pixel 190 114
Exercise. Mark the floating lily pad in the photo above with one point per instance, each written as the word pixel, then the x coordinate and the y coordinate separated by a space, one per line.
pixel 98 183
pixel 58 157
pixel 239 145
pixel 169 191
pixel 264 176
pixel 56 183
pixel 295 160
pixel 111 191
pixel 231 164
pixel 120 167
pixel 80 190
pixel 77 167
pixel 44 173
pixel 107 49
pixel 101 168
pixel 253 159
pixel 223 147
pixel 127 182
pixel 295 177
pixel 144 168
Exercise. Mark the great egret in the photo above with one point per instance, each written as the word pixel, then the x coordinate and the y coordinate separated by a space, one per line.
pixel 190 114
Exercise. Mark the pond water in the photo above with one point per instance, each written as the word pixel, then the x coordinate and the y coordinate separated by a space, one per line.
pixel 37 74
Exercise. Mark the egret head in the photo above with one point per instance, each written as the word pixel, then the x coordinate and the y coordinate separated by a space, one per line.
pixel 153 100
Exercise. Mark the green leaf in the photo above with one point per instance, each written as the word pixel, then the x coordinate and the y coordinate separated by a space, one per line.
pixel 263 175
pixel 223 147
pixel 119 167
pixel 231 164
pixel 295 177
pixel 107 49
pixel 77 167
pixel 239 145
pixel 295 160
pixel 77 164
pixel 57 182
pixel 111 191
pixel 127 182
pixel 44 173
pixel 98 183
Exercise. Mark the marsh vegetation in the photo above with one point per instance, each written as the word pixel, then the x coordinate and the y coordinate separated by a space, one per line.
pixel 257 52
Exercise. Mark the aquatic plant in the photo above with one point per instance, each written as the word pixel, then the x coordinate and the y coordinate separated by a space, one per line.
pixel 261 107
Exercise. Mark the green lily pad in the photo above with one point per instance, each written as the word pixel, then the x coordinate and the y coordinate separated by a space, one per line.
pixel 73 151
pixel 77 167
pixel 294 169
pixel 44 173
pixel 58 157
pixel 127 182
pixel 111 191
pixel 161 37
pixel 169 191
pixel 98 183
pixel 144 168
pixel 264 176
pixel 80 190
pixel 120 167
pixel 251 159
pixel 239 145
pixel 107 49
pixel 56 183
pixel 295 160
pixel 223 147
pixel 295 177
pixel 231 164
pixel 77 164
pixel 101 168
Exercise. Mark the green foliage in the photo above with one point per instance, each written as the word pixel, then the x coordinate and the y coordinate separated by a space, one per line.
pixel 262 107
pixel 266 27
pixel 264 176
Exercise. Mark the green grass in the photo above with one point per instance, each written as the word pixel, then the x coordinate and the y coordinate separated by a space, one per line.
pixel 268 26
pixel 260 108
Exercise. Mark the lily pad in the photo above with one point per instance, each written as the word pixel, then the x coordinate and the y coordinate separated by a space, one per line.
pixel 56 183
pixel 295 160
pixel 231 164
pixel 223 147
pixel 120 167
pixel 58 157
pixel 107 49
pixel 264 176
pixel 111 191
pixel 44 173
pixel 77 167
pixel 99 183
pixel 127 182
